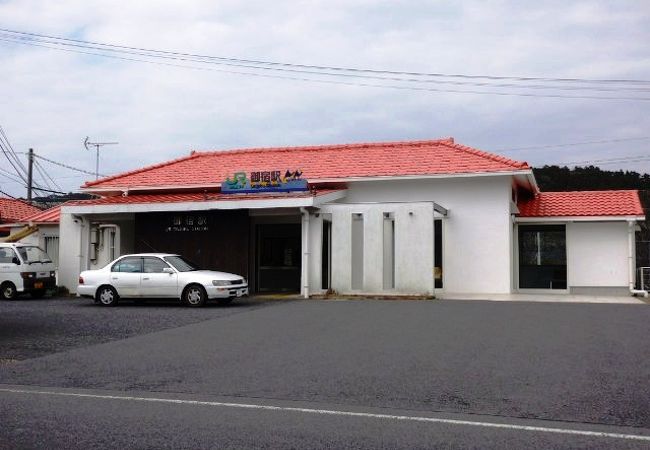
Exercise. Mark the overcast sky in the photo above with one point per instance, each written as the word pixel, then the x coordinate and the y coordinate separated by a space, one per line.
pixel 52 100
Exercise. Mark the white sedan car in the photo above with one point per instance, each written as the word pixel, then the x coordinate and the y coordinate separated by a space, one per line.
pixel 159 275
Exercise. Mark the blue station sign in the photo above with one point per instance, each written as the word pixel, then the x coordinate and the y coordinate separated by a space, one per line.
pixel 264 181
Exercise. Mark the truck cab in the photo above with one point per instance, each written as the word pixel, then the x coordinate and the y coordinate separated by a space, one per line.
pixel 25 268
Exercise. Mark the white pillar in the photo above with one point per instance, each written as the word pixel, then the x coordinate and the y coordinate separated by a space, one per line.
pixel 304 277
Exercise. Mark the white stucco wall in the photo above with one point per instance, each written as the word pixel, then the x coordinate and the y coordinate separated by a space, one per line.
pixel 73 247
pixel 413 247
pixel 74 244
pixel 597 254
pixel 477 234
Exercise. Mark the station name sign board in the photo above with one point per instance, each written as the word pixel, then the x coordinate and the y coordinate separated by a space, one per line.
pixel 264 181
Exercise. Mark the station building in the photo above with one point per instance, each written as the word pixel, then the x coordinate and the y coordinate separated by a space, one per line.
pixel 419 218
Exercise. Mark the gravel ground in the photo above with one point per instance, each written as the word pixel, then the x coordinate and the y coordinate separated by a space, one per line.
pixel 32 328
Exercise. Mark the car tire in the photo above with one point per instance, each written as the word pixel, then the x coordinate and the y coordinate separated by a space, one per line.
pixel 8 291
pixel 106 296
pixel 194 295
pixel 225 301
pixel 38 294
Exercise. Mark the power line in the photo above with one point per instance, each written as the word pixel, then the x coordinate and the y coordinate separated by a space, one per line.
pixel 48 190
pixel 333 68
pixel 571 144
pixel 344 83
pixel 622 159
pixel 8 195
pixel 312 80
pixel 211 60
pixel 66 166
pixel 11 176
pixel 7 150
pixel 47 179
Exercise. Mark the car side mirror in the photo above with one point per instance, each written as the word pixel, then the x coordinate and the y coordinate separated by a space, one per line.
pixel 168 270
pixel 15 260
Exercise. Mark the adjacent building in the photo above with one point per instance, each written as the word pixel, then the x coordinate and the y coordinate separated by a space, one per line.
pixel 421 218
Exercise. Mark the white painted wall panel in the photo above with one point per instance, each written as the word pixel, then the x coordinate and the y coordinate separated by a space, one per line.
pixel 597 254
pixel 477 233
pixel 413 247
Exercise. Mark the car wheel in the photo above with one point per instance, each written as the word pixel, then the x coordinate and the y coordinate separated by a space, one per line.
pixel 8 291
pixel 106 296
pixel 38 294
pixel 194 295
pixel 225 301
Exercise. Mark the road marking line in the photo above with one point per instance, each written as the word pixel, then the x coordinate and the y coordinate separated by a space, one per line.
pixel 330 412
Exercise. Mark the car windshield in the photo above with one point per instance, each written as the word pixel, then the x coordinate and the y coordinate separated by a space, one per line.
pixel 33 255
pixel 181 264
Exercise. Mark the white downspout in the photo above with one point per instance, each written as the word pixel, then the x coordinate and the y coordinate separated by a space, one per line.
pixel 630 260
pixel 305 252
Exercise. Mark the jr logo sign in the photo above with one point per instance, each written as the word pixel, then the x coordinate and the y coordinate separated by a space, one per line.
pixel 264 181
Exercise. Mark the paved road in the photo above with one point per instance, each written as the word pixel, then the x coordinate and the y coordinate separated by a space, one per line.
pixel 558 366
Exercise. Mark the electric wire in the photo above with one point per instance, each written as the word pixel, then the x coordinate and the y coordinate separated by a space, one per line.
pixel 11 150
pixel 10 155
pixel 49 182
pixel 571 144
pixel 51 161
pixel 342 83
pixel 332 68
pixel 46 174
pixel 8 195
pixel 202 60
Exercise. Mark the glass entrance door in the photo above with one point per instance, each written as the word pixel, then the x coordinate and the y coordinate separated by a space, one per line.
pixel 542 257
pixel 278 257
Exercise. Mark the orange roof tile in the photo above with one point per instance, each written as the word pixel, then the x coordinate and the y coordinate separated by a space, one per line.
pixel 326 162
pixel 582 203
pixel 51 215
pixel 13 210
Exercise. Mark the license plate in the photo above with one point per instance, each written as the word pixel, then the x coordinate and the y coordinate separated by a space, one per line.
pixel 38 285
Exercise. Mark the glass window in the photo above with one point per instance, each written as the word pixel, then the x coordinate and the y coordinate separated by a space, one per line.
pixel 33 255
pixel 154 265
pixel 129 264
pixel 6 255
pixel 181 264
pixel 542 257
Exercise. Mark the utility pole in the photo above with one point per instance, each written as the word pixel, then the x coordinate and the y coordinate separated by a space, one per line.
pixel 30 167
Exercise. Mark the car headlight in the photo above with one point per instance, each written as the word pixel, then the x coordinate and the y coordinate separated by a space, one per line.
pixel 220 283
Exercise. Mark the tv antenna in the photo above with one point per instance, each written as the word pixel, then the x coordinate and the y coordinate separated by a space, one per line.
pixel 97 145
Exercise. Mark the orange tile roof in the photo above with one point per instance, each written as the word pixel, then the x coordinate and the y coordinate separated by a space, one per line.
pixel 582 203
pixel 195 197
pixel 326 162
pixel 51 215
pixel 13 210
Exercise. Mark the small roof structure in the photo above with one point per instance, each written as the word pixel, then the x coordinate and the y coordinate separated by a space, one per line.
pixel 582 204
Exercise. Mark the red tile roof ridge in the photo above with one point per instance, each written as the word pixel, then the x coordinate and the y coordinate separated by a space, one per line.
pixel 317 147
pixel 141 169
pixel 488 155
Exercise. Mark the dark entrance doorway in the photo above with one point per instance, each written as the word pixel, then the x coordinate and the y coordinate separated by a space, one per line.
pixel 278 257
pixel 542 257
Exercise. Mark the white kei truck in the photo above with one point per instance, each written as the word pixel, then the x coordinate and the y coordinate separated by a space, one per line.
pixel 25 268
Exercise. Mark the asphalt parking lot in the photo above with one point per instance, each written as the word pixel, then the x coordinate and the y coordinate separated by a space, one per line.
pixel 361 374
